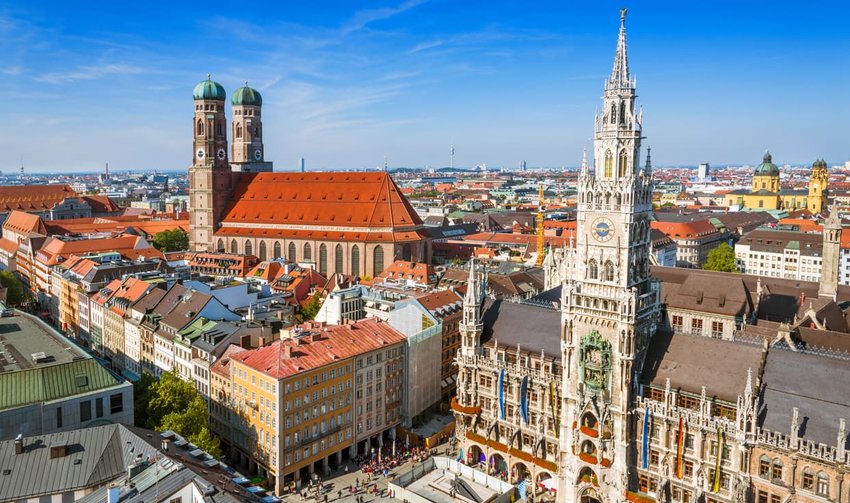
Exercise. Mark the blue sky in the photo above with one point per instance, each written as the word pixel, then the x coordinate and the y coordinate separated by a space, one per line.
pixel 347 83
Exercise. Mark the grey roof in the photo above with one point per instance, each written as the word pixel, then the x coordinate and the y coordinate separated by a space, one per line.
pixel 816 385
pixel 532 327
pixel 103 453
pixel 691 362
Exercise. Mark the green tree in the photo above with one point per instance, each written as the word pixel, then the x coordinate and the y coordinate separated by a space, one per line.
pixel 174 404
pixel 143 394
pixel 312 308
pixel 171 240
pixel 14 289
pixel 721 259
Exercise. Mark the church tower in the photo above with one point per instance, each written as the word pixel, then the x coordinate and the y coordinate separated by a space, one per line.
pixel 818 191
pixel 210 178
pixel 248 154
pixel 610 305
pixel 831 256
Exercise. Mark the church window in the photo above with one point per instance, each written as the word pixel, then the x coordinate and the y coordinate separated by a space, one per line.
pixel 355 260
pixel 405 252
pixel 624 162
pixel 292 255
pixel 276 250
pixel 308 252
pixel 609 271
pixel 592 270
pixel 233 247
pixel 622 112
pixel 218 128
pixel 220 246
pixel 613 113
pixel 239 130
pixel 323 259
pixel 338 259
pixel 378 260
pixel 200 127
pixel 609 164
pixel 249 249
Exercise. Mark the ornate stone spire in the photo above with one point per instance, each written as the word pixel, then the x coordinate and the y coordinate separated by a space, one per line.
pixel 620 73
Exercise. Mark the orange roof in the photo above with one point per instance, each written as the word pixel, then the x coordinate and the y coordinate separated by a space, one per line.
pixel 8 246
pixel 845 238
pixel 560 224
pixel 24 223
pixel 685 229
pixel 131 290
pixel 266 270
pixel 33 197
pixel 101 204
pixel 226 263
pixel 440 298
pixel 327 199
pixel 321 345
pixel 403 269
pixel 106 292
pixel 804 224
pixel 520 239
pixel 152 227
pixel 54 248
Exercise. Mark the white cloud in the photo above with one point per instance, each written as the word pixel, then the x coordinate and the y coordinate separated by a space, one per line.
pixel 89 73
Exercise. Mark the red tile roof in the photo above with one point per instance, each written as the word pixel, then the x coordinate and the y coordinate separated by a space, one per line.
pixel 415 271
pixel 24 223
pixel 324 345
pixel 33 197
pixel 127 245
pixel 328 199
pixel 697 228
pixel 446 299
pixel 367 237
pixel 101 204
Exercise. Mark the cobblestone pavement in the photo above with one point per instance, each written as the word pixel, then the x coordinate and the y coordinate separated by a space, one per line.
pixel 339 480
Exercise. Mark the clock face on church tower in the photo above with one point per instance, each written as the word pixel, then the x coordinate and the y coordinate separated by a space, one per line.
pixel 258 155
pixel 200 153
pixel 221 154
pixel 602 229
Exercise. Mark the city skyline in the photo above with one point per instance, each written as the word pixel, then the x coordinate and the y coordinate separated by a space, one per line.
pixel 343 87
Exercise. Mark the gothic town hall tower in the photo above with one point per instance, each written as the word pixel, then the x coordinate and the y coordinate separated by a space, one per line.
pixel 609 304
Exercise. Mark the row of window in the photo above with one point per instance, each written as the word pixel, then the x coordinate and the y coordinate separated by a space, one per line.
pixel 307 254
pixel 773 470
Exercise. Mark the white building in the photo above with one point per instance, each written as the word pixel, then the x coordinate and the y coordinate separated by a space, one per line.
pixel 780 254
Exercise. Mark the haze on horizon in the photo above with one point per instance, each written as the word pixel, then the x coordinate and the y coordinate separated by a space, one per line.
pixel 344 87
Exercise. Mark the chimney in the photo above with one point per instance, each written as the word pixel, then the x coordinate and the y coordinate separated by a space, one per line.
pixel 19 444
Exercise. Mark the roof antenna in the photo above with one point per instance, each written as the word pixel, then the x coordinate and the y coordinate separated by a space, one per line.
pixel 385 163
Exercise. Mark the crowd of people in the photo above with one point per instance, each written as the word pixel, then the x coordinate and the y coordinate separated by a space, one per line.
pixel 383 460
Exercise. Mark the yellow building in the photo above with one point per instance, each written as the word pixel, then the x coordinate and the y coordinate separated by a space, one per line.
pixel 292 407
pixel 766 192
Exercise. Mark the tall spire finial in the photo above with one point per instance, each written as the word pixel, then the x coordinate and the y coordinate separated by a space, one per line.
pixel 620 73
pixel 209 76
pixel 648 159
pixel 584 159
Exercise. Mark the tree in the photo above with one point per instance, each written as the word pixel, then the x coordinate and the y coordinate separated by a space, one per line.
pixel 171 240
pixel 14 289
pixel 174 404
pixel 312 308
pixel 721 259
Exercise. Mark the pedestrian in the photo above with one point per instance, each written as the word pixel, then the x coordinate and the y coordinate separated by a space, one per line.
pixel 339 494
pixel 326 498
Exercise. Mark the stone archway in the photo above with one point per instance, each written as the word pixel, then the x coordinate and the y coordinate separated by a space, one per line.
pixel 475 455
pixel 589 495
pixel 498 466
pixel 520 472
pixel 545 485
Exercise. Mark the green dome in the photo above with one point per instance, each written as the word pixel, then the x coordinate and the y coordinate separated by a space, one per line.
pixel 209 90
pixel 247 96
pixel 767 168
pixel 820 163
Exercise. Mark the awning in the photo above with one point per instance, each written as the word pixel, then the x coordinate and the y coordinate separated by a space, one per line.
pixel 210 463
pixel 255 489
pixel 270 499
pixel 240 480
pixel 549 484
pixel 196 453
pixel 167 434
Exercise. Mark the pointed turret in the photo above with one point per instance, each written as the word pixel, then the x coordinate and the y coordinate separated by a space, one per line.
pixel 471 326
pixel 620 73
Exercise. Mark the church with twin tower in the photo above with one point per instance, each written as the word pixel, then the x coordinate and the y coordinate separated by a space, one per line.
pixel 564 423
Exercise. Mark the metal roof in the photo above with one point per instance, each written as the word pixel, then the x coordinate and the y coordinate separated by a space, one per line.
pixel 52 382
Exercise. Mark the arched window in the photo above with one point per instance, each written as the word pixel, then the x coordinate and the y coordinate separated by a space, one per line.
pixel 276 250
pixel 592 269
pixel 249 249
pixel 808 482
pixel 219 128
pixel 308 252
pixel 292 255
pixel 233 247
pixel 338 258
pixel 200 127
pixel 355 260
pixel 239 130
pixel 262 250
pixel 764 467
pixel 323 259
pixel 613 113
pixel 609 164
pixel 624 163
pixel 609 271
pixel 220 246
pixel 622 112
pixel 776 470
pixel 823 484
pixel 378 260
pixel 405 252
